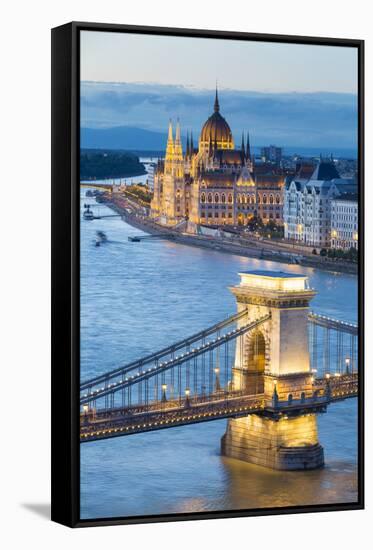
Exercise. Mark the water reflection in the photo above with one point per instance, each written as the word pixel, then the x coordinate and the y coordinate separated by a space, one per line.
pixel 137 297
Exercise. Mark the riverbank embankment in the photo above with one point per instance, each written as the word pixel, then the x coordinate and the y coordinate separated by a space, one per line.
pixel 240 247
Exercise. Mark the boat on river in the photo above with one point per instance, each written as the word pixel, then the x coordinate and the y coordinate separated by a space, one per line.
pixel 88 214
pixel 101 238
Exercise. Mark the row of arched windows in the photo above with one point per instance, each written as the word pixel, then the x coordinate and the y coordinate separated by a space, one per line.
pixel 271 199
pixel 246 199
pixel 217 198
pixel 241 199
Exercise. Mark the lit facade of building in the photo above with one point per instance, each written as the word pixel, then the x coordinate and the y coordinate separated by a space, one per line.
pixel 344 222
pixel 216 183
pixel 308 204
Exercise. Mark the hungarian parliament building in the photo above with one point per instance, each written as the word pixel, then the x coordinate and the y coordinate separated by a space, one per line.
pixel 216 183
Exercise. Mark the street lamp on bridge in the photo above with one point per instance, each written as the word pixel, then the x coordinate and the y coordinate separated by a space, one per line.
pixel 187 394
pixel 85 412
pixel 347 361
pixel 217 379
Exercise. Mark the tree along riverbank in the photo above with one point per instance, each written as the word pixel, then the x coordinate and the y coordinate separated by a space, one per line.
pixel 97 165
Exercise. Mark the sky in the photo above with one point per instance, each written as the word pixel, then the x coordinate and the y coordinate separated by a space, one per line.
pixel 288 92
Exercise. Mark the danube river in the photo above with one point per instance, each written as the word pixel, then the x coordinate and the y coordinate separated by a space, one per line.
pixel 138 297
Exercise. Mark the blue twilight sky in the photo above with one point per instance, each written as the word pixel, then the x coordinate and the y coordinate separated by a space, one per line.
pixel 289 93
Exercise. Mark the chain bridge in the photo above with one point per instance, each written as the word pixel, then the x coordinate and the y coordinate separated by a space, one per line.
pixel 270 369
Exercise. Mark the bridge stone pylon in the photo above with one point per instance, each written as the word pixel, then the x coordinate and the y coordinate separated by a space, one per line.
pixel 273 360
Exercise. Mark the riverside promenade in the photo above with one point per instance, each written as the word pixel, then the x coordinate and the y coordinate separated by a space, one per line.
pixel 241 245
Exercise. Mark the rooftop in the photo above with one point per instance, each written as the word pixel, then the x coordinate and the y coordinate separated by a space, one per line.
pixel 274 281
pixel 273 274
pixel 325 170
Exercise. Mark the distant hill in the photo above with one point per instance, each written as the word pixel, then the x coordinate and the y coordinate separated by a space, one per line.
pixel 101 164
pixel 148 142
pixel 122 137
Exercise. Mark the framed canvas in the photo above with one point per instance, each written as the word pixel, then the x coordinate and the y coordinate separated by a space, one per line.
pixel 207 275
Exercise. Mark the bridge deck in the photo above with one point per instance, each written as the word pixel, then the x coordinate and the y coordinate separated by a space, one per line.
pixel 108 423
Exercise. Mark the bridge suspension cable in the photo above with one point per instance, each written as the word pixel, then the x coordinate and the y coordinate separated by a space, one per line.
pixel 174 365
pixel 156 356
pixel 198 385
pixel 336 324
pixel 333 346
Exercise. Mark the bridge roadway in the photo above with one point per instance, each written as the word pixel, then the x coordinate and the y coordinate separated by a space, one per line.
pixel 99 186
pixel 108 423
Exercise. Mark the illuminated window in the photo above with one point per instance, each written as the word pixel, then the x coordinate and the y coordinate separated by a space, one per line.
pixel 264 199
pixel 203 197
pixel 223 198
pixel 209 197
pixel 216 197
pixel 230 198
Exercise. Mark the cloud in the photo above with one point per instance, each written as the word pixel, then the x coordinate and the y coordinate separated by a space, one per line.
pixel 305 119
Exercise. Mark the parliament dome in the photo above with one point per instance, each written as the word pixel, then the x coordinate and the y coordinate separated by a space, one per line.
pixel 216 129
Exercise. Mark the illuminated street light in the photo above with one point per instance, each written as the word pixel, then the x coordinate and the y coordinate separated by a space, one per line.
pixel 187 394
pixel 328 391
pixel 85 412
pixel 217 379
pixel 164 397
pixel 347 361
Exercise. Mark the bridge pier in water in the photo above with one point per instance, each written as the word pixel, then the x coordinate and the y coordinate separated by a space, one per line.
pixel 274 359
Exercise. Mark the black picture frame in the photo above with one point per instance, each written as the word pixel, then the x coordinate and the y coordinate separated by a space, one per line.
pixel 66 271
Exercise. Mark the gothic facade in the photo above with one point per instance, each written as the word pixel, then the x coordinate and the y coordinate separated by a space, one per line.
pixel 216 183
